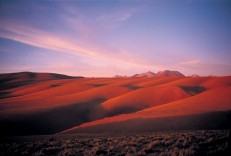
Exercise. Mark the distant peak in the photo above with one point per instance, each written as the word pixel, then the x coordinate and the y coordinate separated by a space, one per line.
pixel 120 76
pixel 164 73
pixel 147 74
pixel 194 75
pixel 169 73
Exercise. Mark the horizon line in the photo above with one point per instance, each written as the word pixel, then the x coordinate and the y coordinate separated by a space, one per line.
pixel 114 76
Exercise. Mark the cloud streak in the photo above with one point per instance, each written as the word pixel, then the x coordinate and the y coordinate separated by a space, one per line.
pixel 192 63
pixel 114 20
pixel 42 39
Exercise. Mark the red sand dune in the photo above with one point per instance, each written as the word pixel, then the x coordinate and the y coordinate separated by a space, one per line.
pixel 49 89
pixel 30 104
pixel 35 88
pixel 30 76
pixel 189 81
pixel 144 98
pixel 157 81
pixel 216 82
pixel 50 103
pixel 218 99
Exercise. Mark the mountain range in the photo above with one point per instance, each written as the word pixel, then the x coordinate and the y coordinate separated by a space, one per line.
pixel 165 73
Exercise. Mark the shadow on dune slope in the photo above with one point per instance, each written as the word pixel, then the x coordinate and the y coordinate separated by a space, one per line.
pixel 193 90
pixel 53 120
pixel 13 80
pixel 212 120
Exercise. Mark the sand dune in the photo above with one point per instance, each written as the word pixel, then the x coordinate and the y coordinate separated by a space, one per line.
pixel 37 103
pixel 157 81
pixel 189 81
pixel 48 89
pixel 57 108
pixel 143 98
pixel 30 104
pixel 218 99
pixel 12 80
pixel 200 121
pixel 28 76
pixel 216 82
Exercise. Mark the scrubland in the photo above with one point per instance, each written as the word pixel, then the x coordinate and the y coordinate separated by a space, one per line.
pixel 198 142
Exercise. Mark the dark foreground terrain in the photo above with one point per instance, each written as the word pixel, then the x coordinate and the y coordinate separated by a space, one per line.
pixel 203 142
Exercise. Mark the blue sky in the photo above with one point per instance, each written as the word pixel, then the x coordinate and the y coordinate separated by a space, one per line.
pixel 106 38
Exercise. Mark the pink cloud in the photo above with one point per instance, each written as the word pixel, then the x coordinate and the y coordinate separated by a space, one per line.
pixel 91 55
pixel 192 63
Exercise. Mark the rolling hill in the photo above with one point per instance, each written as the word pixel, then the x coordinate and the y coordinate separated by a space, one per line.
pixel 12 80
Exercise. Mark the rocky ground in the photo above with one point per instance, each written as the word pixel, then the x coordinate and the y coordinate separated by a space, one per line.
pixel 204 142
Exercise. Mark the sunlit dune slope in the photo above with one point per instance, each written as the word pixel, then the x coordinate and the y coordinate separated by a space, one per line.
pixel 58 107
pixel 216 82
pixel 58 93
pixel 103 92
pixel 52 88
pixel 48 89
pixel 14 80
pixel 11 81
pixel 212 100
pixel 157 81
pixel 167 89
pixel 127 82
pixel 34 88
pixel 199 121
pixel 144 98
pixel 218 99
pixel 207 82
pixel 188 81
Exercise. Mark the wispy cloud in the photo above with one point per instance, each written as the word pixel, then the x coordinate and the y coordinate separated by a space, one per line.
pixel 204 68
pixel 92 55
pixel 101 20
pixel 13 68
pixel 88 28
pixel 192 63
pixel 114 20
pixel 25 34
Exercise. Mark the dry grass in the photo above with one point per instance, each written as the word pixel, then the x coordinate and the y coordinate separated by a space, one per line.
pixel 209 142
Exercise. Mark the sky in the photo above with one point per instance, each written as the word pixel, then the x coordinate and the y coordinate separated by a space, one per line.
pixel 102 38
